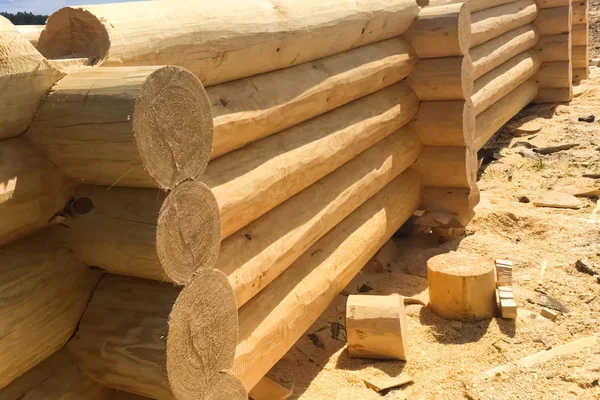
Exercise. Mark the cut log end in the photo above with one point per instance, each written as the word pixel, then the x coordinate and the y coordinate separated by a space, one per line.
pixel 203 330
pixel 188 235
pixel 464 28
pixel 74 31
pixel 226 387
pixel 173 126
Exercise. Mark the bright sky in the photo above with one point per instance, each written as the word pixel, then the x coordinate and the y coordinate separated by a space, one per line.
pixel 45 6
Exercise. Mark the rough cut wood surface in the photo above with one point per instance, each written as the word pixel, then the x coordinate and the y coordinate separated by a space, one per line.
pixel 43 292
pixel 580 12
pixel 25 77
pixel 273 320
pixel 492 119
pixel 554 47
pixel 445 123
pixel 446 78
pixel 495 52
pixel 489 24
pixel 554 95
pixel 217 39
pixel 32 190
pixel 57 378
pixel 447 166
pixel 581 56
pixel 579 34
pixel 142 127
pixel 556 74
pixel 497 83
pixel 156 340
pixel 145 233
pixel 249 109
pixel 251 181
pixel 552 21
pixel 442 31
pixel 259 252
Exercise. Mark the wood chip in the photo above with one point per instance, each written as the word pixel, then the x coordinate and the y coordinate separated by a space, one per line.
pixel 579 190
pixel 548 313
pixel 555 200
pixel 381 384
pixel 525 126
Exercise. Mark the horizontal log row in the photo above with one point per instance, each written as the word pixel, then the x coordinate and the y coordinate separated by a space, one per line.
pixel 491 23
pixel 579 33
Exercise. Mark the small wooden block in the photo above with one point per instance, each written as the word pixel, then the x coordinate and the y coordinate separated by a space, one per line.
pixel 267 389
pixel 380 384
pixel 548 313
pixel 508 308
pixel 506 295
pixel 507 263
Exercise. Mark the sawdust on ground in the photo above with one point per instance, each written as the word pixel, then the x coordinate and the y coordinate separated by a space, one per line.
pixel 443 361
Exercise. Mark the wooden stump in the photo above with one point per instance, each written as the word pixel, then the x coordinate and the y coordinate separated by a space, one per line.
pixel 461 286
pixel 376 327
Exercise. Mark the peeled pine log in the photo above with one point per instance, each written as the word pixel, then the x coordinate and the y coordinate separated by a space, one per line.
pixel 141 127
pixel 25 77
pixel 554 95
pixel 447 166
pixel 258 253
pixel 460 201
pixel 580 73
pixel 462 286
pixel 552 3
pixel 56 378
pixel 489 24
pixel 156 340
pixel 554 47
pixel 479 5
pixel 43 292
pixel 275 319
pixel 448 78
pixel 495 52
pixel 376 327
pixel 252 108
pixel 253 180
pixel 443 31
pixel 579 34
pixel 216 40
pixel 556 74
pixel 552 21
pixel 492 119
pixel 445 123
pixel 580 12
pixel 30 32
pixel 145 233
pixel 580 56
pixel 32 190
pixel 497 83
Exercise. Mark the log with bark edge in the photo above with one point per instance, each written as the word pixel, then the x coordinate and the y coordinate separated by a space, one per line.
pixel 447 166
pixel 275 319
pixel 249 109
pixel 489 24
pixel 442 31
pixel 32 190
pixel 495 52
pixel 43 292
pixel 216 40
pixel 25 77
pixel 497 83
pixel 580 12
pixel 159 341
pixel 145 233
pixel 140 126
pixel 580 56
pixel 251 181
pixel 256 254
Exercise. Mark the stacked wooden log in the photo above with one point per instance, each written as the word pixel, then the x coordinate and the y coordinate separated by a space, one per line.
pixel 580 53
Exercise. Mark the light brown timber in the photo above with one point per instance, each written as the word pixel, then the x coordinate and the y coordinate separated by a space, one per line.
pixel 249 109
pixel 25 77
pixel 145 233
pixel 580 12
pixel 156 340
pixel 554 47
pixel 462 286
pixel 492 119
pixel 442 31
pixel 497 83
pixel 491 23
pixel 141 127
pixel 251 181
pixel 552 21
pixel 552 3
pixel 495 52
pixel 259 252
pixel 460 201
pixel 474 5
pixel 447 78
pixel 376 327
pixel 43 292
pixel 274 319
pixel 581 56
pixel 447 166
pixel 554 95
pixel 32 190
pixel 556 74
pixel 445 123
pixel 579 34
pixel 218 48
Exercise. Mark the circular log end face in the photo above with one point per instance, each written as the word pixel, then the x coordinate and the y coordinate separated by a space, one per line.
pixel 226 387
pixel 188 235
pixel 464 29
pixel 203 329
pixel 460 264
pixel 73 31
pixel 173 126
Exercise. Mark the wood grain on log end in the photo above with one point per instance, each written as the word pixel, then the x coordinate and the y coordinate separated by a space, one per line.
pixel 226 387
pixel 188 235
pixel 73 30
pixel 203 331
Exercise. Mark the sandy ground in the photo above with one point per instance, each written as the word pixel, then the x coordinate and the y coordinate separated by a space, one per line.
pixel 445 362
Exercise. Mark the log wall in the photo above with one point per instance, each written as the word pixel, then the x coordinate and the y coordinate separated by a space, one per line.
pixel 579 40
